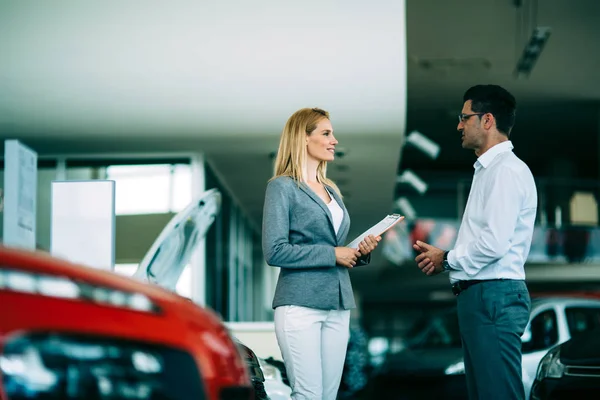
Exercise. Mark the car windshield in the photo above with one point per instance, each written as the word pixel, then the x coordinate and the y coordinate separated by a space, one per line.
pixel 438 330
pixel 582 319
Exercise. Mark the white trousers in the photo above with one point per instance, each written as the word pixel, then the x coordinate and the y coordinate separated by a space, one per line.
pixel 313 344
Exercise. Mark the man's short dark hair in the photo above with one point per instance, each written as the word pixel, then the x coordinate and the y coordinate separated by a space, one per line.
pixel 495 100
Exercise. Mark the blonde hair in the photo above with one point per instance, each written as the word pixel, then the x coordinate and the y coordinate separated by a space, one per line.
pixel 291 155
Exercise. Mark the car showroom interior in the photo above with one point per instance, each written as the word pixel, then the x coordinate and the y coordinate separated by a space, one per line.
pixel 141 151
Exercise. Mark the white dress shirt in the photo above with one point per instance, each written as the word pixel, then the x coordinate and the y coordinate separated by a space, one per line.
pixel 495 234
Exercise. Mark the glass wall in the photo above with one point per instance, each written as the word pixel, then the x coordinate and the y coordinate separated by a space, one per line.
pixel 234 262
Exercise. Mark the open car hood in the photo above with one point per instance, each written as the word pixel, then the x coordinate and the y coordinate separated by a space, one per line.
pixel 172 250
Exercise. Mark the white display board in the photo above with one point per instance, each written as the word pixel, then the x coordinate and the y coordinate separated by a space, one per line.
pixel 20 195
pixel 83 222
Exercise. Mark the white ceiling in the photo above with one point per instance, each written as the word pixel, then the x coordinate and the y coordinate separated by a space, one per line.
pixel 221 78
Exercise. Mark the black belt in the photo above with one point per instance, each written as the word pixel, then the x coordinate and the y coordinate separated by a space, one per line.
pixel 461 286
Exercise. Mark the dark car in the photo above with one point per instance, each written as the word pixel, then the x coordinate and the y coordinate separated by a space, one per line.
pixel 570 370
pixel 429 365
pixel 256 374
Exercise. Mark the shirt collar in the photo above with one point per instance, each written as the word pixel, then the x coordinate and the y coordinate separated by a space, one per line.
pixel 486 158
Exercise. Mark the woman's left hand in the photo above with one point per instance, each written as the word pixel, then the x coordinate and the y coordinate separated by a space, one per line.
pixel 368 244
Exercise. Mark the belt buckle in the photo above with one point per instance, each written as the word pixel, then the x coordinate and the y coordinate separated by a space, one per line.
pixel 456 289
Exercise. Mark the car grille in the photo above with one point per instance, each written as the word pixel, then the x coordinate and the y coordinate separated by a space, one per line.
pixel 57 366
pixel 584 371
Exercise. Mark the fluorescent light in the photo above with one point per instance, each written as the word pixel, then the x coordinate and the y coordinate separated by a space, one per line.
pixel 406 208
pixel 408 176
pixel 424 144
pixel 532 50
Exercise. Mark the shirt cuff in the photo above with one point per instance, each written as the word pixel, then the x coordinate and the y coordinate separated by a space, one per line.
pixel 452 262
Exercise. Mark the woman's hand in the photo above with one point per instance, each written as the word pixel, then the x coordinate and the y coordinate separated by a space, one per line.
pixel 368 244
pixel 346 257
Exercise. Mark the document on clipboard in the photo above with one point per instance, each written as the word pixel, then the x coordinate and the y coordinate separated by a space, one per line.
pixel 378 229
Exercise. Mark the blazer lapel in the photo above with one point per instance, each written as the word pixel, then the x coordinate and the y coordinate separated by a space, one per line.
pixel 319 201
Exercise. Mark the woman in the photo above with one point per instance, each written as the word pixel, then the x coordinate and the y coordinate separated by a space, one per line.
pixel 305 225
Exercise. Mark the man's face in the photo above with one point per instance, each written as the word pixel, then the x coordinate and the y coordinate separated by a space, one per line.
pixel 470 126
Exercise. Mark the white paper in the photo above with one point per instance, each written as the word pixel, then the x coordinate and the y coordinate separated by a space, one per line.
pixel 377 229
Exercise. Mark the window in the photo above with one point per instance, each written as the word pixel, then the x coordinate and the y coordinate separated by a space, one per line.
pixel 542 333
pixel 582 319
pixel 149 189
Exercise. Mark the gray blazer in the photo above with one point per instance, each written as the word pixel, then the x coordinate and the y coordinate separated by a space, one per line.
pixel 298 236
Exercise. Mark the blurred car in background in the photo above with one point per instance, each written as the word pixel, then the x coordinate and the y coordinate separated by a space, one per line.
pixel 433 351
pixel 256 373
pixel 570 370
pixel 280 367
pixel 554 320
pixel 420 366
pixel 275 385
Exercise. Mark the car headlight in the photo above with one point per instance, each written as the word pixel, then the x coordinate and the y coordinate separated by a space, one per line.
pixel 63 287
pixel 458 368
pixel 269 371
pixel 550 365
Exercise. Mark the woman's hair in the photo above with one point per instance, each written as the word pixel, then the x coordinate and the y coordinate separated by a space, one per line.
pixel 291 155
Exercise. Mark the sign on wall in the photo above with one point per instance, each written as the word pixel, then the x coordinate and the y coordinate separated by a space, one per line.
pixel 83 222
pixel 20 194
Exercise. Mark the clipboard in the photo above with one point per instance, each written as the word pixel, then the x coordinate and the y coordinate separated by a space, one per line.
pixel 378 229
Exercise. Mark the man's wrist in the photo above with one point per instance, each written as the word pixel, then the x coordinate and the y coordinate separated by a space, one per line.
pixel 445 264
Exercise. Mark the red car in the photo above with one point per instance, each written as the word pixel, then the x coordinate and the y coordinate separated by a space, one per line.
pixel 73 332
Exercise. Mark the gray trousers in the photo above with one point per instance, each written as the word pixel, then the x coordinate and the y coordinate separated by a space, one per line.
pixel 492 317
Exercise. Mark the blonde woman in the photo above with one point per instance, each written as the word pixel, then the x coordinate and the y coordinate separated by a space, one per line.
pixel 305 225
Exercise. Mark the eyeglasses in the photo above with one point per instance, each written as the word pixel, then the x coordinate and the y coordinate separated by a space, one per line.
pixel 464 117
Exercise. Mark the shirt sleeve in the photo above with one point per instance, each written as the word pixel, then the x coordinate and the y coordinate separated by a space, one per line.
pixel 503 197
pixel 277 249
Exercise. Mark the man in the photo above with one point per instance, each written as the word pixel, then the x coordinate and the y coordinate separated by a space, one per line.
pixel 486 265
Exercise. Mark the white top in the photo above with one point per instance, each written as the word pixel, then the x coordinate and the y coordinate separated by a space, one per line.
pixel 336 212
pixel 495 234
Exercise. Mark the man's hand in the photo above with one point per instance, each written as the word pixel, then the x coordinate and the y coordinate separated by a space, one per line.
pixel 345 256
pixel 430 259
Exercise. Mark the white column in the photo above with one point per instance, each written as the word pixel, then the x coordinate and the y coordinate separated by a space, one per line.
pixel 198 259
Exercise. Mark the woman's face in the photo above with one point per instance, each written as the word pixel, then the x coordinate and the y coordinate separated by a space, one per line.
pixel 320 144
